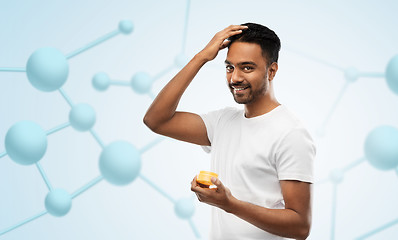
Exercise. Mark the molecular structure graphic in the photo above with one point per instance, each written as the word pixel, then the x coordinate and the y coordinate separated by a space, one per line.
pixel 119 163
pixel 142 82
pixel 351 75
pixel 380 145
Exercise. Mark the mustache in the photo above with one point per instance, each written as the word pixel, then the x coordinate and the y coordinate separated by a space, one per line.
pixel 238 85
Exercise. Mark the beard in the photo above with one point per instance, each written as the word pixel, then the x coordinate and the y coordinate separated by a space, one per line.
pixel 248 96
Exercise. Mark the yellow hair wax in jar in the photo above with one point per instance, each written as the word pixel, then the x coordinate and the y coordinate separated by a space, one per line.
pixel 204 178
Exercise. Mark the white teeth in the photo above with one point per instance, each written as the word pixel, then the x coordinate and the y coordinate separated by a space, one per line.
pixel 238 89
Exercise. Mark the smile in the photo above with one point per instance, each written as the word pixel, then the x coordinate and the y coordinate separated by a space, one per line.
pixel 239 89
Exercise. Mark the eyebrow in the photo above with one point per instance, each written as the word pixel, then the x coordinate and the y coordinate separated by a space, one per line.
pixel 242 63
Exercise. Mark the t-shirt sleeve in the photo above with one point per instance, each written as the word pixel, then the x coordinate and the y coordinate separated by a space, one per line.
pixel 295 156
pixel 211 120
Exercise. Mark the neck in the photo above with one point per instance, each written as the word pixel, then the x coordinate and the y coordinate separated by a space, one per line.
pixel 262 105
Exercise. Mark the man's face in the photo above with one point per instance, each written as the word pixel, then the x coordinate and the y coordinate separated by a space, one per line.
pixel 246 72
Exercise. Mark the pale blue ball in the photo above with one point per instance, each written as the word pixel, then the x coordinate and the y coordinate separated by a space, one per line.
pixel 47 69
pixel 141 83
pixel 392 74
pixel 126 26
pixel 120 163
pixel 101 81
pixel 181 60
pixel 381 147
pixel 184 208
pixel 337 176
pixel 26 142
pixel 351 74
pixel 82 117
pixel 58 202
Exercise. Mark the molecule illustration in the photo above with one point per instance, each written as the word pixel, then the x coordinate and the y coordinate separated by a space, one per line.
pixel 380 146
pixel 119 163
pixel 141 82
pixel 351 75
pixel 78 162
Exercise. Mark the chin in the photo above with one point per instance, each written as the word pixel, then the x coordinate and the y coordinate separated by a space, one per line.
pixel 242 100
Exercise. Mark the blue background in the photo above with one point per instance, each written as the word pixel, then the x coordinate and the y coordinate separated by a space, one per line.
pixel 342 33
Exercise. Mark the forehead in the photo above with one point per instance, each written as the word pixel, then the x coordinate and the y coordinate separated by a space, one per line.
pixel 239 52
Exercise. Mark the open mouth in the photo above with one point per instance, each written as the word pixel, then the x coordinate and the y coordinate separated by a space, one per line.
pixel 239 89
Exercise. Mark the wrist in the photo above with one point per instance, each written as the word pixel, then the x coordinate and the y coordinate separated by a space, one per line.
pixel 201 57
pixel 230 206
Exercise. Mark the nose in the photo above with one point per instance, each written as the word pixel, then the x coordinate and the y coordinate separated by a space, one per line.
pixel 236 77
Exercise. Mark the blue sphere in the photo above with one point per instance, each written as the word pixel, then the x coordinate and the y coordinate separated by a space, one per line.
pixel 82 117
pixel 126 26
pixel 184 208
pixel 181 60
pixel 141 83
pixel 101 81
pixel 26 142
pixel 58 202
pixel 392 74
pixel 47 69
pixel 337 176
pixel 381 147
pixel 120 163
pixel 351 74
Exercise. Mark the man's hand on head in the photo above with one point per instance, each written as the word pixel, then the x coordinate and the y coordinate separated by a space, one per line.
pixel 219 41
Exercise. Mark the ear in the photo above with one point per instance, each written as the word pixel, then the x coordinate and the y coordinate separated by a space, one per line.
pixel 272 69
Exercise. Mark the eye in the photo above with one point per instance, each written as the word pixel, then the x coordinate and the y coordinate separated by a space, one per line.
pixel 229 68
pixel 247 68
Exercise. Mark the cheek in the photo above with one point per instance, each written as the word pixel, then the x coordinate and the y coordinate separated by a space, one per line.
pixel 255 79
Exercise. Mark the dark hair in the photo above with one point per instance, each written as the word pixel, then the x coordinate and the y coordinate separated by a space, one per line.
pixel 267 39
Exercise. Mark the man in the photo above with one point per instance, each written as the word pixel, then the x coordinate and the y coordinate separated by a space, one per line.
pixel 263 153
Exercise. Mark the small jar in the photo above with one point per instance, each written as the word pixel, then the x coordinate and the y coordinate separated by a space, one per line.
pixel 204 178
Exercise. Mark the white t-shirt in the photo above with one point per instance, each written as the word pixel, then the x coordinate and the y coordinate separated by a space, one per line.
pixel 250 156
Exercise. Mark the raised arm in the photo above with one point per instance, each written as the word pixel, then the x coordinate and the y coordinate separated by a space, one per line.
pixel 162 116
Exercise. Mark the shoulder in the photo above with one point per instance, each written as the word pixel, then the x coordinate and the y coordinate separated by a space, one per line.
pixel 286 117
pixel 226 113
pixel 231 112
pixel 290 126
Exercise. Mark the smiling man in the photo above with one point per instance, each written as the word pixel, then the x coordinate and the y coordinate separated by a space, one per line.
pixel 263 154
